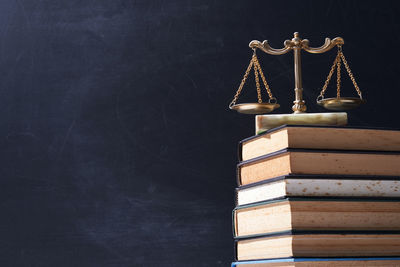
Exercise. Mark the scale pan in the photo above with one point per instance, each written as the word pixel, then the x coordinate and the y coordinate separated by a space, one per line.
pixel 341 103
pixel 255 108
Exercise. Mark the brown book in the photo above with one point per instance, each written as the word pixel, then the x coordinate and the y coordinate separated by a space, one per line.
pixel 321 162
pixel 316 214
pixel 319 137
pixel 322 262
pixel 288 244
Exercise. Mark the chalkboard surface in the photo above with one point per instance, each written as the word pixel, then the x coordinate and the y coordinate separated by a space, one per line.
pixel 117 147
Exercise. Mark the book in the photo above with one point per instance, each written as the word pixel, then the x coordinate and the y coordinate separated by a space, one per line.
pixel 319 186
pixel 318 244
pixel 321 162
pixel 309 214
pixel 321 262
pixel 319 137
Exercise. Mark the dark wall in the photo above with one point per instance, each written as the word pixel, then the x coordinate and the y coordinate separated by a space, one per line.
pixel 117 146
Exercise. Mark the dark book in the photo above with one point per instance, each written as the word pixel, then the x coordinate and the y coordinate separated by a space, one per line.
pixel 321 262
pixel 321 214
pixel 319 137
pixel 319 244
pixel 318 162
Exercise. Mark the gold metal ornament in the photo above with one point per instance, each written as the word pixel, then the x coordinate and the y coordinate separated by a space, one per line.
pixel 297 45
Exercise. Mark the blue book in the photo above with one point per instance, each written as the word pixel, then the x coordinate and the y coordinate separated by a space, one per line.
pixel 321 262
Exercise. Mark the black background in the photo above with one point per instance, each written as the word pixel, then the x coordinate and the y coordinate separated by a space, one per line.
pixel 117 146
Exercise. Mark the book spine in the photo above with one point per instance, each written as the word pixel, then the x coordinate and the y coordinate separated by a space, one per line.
pixel 235 256
pixel 234 223
pixel 240 150
pixel 238 175
pixel 237 196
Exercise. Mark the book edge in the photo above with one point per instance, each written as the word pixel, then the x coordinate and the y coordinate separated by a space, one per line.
pixel 317 126
pixel 308 150
pixel 294 232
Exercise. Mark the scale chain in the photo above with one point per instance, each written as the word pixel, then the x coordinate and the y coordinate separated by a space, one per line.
pixel 329 77
pixel 338 79
pixel 235 98
pixel 337 64
pixel 255 64
pixel 257 79
pixel 346 65
pixel 264 80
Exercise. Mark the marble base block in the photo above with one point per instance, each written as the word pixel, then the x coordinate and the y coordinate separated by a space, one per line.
pixel 266 122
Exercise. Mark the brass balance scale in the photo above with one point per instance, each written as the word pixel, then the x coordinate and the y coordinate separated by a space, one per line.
pixel 299 108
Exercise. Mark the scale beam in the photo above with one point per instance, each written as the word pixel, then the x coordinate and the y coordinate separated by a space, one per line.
pixel 328 45
pixel 297 44
pixel 265 47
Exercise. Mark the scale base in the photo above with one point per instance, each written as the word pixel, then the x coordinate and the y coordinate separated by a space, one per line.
pixel 266 122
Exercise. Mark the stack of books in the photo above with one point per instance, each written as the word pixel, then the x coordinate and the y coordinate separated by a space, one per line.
pixel 318 196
